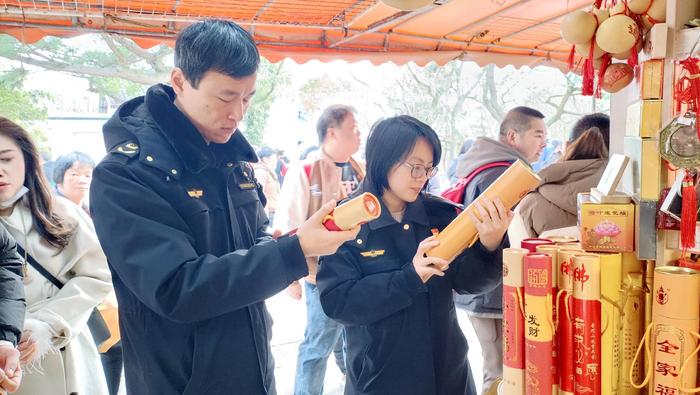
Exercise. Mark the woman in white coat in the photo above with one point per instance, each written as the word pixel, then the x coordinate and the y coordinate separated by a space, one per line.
pixel 57 350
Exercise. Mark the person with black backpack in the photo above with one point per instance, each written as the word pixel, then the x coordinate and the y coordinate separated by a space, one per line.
pixel 522 136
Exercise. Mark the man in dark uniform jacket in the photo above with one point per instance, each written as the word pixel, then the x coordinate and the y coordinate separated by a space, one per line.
pixel 180 217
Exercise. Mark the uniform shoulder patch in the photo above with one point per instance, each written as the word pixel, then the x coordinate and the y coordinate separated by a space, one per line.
pixel 128 148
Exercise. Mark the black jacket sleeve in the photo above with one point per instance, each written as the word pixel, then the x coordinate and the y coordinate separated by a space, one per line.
pixel 345 292
pixel 476 270
pixel 12 303
pixel 149 248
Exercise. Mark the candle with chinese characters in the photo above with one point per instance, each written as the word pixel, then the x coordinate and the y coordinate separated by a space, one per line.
pixel 587 325
pixel 632 332
pixel 611 320
pixel 553 252
pixel 354 212
pixel 565 322
pixel 513 322
pixel 509 187
pixel 539 328
pixel 675 310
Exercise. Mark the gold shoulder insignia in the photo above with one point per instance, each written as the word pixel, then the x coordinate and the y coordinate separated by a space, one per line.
pixel 195 193
pixel 372 253
pixel 128 149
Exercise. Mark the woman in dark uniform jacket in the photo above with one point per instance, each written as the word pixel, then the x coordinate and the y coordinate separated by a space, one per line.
pixel 396 303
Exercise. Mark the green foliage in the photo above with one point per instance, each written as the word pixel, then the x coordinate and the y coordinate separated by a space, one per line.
pixel 22 106
pixel 271 82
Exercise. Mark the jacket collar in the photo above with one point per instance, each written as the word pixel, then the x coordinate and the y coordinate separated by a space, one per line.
pixel 415 213
pixel 185 139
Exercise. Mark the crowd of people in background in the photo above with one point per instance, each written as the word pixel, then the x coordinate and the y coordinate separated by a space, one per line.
pixel 199 228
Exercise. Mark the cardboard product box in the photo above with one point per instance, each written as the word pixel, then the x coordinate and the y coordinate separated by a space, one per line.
pixel 673 240
pixel 655 42
pixel 641 178
pixel 645 229
pixel 652 72
pixel 605 227
pixel 644 119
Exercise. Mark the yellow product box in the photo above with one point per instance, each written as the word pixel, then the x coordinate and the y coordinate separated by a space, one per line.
pixel 641 178
pixel 644 119
pixel 605 227
pixel 652 79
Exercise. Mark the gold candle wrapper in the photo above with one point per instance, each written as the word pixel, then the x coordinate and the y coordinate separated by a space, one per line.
pixel 354 212
pixel 510 187
pixel 513 321
pixel 611 317
pixel 562 239
pixel 671 338
pixel 632 332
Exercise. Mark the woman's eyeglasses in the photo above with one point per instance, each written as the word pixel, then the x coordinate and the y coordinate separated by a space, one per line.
pixel 418 171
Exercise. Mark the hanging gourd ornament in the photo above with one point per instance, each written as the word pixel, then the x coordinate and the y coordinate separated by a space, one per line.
pixel 655 14
pixel 578 27
pixel 616 77
pixel 637 6
pixel 618 9
pixel 601 14
pixel 625 55
pixel 617 34
pixel 583 50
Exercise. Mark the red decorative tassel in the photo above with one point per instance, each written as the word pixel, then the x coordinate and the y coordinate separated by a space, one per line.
pixel 688 212
pixel 572 56
pixel 588 77
pixel 597 3
pixel 633 60
pixel 589 72
pixel 604 66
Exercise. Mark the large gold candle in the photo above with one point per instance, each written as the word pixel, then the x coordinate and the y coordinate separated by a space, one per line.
pixel 632 302
pixel 611 320
pixel 632 332
pixel 513 322
pixel 539 328
pixel 587 325
pixel 674 314
pixel 565 325
pixel 510 187
pixel 354 212
pixel 553 252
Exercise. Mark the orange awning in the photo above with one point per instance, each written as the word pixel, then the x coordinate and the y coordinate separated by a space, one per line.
pixel 504 32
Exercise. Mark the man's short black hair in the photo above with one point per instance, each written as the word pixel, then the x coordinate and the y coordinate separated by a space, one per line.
pixel 215 45
pixel 597 120
pixel 390 141
pixel 332 117
pixel 65 162
pixel 519 119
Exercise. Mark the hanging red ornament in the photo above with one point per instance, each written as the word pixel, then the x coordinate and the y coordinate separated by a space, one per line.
pixel 601 74
pixel 689 211
pixel 687 89
pixel 572 56
pixel 589 73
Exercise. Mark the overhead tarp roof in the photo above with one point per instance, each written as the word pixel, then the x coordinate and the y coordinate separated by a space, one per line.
pixel 503 32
